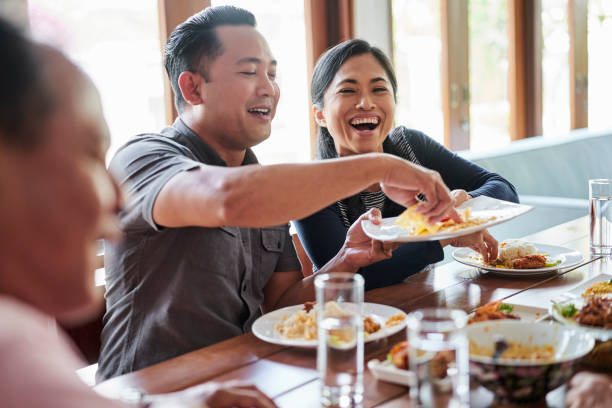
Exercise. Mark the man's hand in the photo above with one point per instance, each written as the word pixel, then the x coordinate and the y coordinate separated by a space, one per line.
pixel 360 250
pixel 480 241
pixel 404 181
pixel 232 394
pixel 588 390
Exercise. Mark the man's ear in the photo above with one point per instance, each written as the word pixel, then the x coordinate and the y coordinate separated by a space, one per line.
pixel 319 116
pixel 192 87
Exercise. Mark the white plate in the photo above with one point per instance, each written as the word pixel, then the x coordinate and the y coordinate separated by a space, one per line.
pixel 263 327
pixel 577 291
pixel 482 207
pixel 526 313
pixel 568 258
pixel 598 333
pixel 386 371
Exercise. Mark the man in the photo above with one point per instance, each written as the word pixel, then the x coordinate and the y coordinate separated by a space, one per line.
pixel 57 199
pixel 188 272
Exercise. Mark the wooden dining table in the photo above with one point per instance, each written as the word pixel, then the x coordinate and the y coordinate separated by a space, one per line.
pixel 289 375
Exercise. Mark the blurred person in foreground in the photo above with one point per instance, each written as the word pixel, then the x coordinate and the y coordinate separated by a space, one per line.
pixel 207 247
pixel 57 199
pixel 590 390
pixel 353 93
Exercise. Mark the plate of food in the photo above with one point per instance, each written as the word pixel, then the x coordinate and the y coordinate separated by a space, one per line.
pixel 297 325
pixel 476 214
pixel 598 285
pixel 591 313
pixel 516 257
pixel 396 367
pixel 521 362
pixel 502 310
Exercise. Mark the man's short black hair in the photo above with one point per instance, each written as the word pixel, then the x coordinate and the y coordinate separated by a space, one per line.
pixel 195 42
pixel 25 100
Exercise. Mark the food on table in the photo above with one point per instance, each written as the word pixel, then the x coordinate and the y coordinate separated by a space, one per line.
pixel 516 351
pixel 596 312
pixel 492 311
pixel 399 355
pixel 517 254
pixel 599 288
pixel 395 320
pixel 370 326
pixel 308 306
pixel 438 366
pixel 302 324
pixel 418 224
pixel 568 310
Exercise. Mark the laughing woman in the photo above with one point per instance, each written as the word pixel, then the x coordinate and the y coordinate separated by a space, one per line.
pixel 353 95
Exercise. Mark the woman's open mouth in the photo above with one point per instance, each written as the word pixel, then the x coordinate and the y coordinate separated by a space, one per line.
pixel 365 124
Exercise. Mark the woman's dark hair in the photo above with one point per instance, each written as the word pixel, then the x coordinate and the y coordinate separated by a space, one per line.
pixel 25 100
pixel 195 41
pixel 324 72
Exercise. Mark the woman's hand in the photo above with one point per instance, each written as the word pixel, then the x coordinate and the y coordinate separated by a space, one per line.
pixel 360 250
pixel 589 390
pixel 480 241
pixel 459 196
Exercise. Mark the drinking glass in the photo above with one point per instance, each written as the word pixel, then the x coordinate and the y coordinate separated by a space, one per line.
pixel 600 198
pixel 340 338
pixel 439 358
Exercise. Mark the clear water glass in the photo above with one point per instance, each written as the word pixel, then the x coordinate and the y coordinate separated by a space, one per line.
pixel 439 356
pixel 340 338
pixel 600 200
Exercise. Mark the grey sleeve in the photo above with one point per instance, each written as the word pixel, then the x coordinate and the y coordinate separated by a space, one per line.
pixel 142 168
pixel 288 260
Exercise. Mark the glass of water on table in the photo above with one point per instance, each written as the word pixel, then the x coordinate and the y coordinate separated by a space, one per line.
pixel 600 200
pixel 439 356
pixel 340 338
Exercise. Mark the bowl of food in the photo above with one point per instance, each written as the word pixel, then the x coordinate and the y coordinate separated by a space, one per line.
pixel 522 361
pixel 591 313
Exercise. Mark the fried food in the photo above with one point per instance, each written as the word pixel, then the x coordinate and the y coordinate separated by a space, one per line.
pixel 596 312
pixel 395 320
pixel 308 306
pixel 599 288
pixel 529 262
pixel 370 326
pixel 492 311
pixel 438 366
pixel 399 355
pixel 416 222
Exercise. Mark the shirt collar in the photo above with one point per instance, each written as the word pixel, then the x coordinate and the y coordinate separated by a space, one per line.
pixel 203 151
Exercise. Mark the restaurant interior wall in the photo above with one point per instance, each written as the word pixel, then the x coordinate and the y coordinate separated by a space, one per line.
pixel 129 32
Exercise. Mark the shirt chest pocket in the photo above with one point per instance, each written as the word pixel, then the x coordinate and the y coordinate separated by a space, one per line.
pixel 272 239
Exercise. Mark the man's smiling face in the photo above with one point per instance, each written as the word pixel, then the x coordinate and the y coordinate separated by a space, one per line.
pixel 241 94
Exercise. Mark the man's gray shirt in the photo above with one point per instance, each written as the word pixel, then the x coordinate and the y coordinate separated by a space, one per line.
pixel 173 290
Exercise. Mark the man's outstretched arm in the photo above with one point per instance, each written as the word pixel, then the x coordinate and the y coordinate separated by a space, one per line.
pixel 259 196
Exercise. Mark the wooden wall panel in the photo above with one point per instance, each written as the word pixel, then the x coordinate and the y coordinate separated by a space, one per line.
pixel 328 22
pixel 171 14
pixel 578 63
pixel 455 74
pixel 525 68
